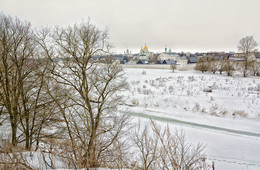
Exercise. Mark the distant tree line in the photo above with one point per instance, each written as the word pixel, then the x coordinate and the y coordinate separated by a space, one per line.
pixel 246 64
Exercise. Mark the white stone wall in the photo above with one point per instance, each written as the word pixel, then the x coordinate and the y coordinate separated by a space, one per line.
pixel 159 66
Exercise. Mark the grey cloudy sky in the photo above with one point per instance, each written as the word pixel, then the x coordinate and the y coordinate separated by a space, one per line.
pixel 183 25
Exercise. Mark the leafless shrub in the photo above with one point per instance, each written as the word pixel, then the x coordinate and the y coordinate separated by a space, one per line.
pixel 213 110
pixel 147 92
pixel 189 93
pixel 203 110
pixel 152 82
pixel 176 153
pixel 207 90
pixel 170 88
pixel 240 113
pixel 191 78
pixel 148 148
pixel 223 112
pixel 13 157
pixel 196 108
pixel 161 149
pixel 135 82
pixel 186 108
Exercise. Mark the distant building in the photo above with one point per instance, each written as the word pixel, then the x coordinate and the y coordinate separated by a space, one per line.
pixel 142 61
pixel 123 61
pixel 193 60
pixel 128 53
pixel 169 62
pixel 145 53
pixel 257 54
pixel 183 61
pixel 168 55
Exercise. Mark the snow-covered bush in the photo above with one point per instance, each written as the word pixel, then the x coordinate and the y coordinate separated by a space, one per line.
pixel 191 78
pixel 196 108
pixel 170 88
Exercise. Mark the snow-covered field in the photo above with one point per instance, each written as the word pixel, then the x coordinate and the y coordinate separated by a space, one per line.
pixel 222 112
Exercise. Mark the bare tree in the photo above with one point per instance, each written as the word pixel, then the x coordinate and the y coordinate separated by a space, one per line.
pixel 9 80
pixel 17 48
pixel 176 153
pixel 22 77
pixel 147 146
pixel 202 65
pixel 213 65
pixel 247 46
pixel 221 66
pixel 229 67
pixel 93 124
pixel 173 67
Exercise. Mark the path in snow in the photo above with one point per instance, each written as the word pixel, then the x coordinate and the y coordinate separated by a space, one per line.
pixel 191 124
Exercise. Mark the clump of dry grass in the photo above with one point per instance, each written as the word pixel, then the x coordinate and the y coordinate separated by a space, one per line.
pixel 240 113
pixel 203 110
pixel 135 102
pixel 223 112
pixel 207 90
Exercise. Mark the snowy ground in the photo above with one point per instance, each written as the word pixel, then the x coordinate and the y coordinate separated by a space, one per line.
pixel 222 112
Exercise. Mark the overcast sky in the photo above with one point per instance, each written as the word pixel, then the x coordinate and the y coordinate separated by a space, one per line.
pixel 182 25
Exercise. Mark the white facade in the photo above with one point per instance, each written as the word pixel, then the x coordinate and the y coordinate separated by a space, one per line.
pixel 166 56
pixel 183 62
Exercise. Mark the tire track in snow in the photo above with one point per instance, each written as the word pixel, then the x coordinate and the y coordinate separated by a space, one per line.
pixel 232 161
pixel 191 124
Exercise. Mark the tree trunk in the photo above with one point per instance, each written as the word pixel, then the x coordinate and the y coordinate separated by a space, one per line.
pixel 91 150
pixel 27 133
pixel 14 130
